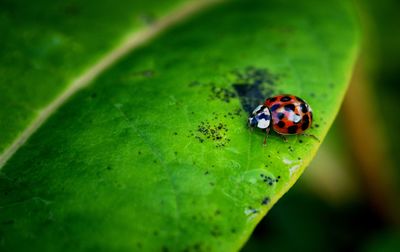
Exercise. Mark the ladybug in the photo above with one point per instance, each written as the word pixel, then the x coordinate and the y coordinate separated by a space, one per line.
pixel 285 114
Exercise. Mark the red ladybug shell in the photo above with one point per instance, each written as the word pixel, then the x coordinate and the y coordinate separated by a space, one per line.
pixel 290 114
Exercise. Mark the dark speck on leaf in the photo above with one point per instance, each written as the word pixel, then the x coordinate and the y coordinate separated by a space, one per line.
pixel 252 210
pixel 206 173
pixel 221 93
pixel 214 132
pixel 265 201
pixel 194 83
pixel 216 232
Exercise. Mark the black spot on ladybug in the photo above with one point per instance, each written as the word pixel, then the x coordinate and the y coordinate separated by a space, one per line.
pixel 292 129
pixel 303 108
pixel 281 124
pixel 289 107
pixel 273 99
pixel 300 100
pixel 274 107
pixel 305 126
pixel 265 201
pixel 306 122
pixel 285 99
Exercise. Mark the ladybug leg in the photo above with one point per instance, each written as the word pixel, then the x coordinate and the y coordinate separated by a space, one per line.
pixel 284 138
pixel 312 136
pixel 266 134
pixel 249 126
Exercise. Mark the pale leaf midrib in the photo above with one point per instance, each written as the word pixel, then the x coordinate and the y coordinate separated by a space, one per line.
pixel 131 42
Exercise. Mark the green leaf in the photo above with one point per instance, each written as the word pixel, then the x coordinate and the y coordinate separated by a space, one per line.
pixel 49 48
pixel 156 155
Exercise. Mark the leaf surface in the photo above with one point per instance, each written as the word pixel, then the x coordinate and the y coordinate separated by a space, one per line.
pixel 156 155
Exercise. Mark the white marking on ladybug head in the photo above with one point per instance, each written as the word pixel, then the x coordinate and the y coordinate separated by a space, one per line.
pixel 263 124
pixel 256 110
pixel 260 118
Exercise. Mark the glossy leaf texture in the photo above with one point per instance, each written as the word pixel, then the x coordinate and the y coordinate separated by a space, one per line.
pixel 45 45
pixel 156 155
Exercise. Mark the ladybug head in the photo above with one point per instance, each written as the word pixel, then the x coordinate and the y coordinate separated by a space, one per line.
pixel 260 117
